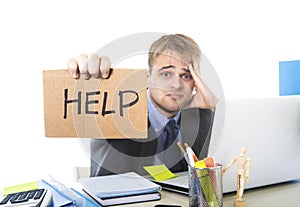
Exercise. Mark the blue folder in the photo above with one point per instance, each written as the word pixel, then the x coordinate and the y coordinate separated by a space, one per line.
pixel 289 78
pixel 59 200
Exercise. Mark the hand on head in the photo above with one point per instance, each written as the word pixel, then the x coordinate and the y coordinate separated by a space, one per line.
pixel 203 98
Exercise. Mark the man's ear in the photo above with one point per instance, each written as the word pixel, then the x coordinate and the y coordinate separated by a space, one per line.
pixel 148 79
pixel 148 73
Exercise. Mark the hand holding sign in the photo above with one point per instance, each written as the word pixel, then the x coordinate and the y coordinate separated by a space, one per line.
pixel 89 65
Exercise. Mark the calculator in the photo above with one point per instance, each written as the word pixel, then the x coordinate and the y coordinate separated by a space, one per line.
pixel 32 198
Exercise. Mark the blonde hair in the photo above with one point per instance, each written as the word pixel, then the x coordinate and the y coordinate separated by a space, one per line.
pixel 184 47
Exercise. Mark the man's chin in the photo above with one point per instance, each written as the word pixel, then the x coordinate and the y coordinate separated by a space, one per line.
pixel 173 108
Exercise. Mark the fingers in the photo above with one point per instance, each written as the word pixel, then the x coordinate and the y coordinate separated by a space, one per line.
pixel 105 66
pixel 73 68
pixel 87 66
pixel 198 81
pixel 204 97
pixel 199 84
pixel 82 61
pixel 94 65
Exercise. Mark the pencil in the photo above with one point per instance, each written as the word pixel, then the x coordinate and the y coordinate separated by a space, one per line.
pixel 181 148
pixel 184 153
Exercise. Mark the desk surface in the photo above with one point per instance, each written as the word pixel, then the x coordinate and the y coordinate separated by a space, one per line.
pixel 284 194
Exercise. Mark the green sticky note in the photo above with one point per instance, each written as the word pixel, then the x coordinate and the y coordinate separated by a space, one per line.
pixel 20 188
pixel 160 172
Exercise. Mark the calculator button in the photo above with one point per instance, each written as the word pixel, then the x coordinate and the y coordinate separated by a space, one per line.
pixel 6 199
pixel 19 200
pixel 31 194
pixel 19 197
pixel 15 197
pixel 39 194
pixel 23 195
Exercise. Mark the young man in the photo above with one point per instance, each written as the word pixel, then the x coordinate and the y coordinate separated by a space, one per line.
pixel 180 108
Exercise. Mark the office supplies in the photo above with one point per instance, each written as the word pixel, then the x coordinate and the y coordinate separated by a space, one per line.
pixel 209 161
pixel 184 153
pixel 160 172
pixel 59 199
pixel 21 187
pixel 200 164
pixel 201 190
pixel 30 198
pixel 191 155
pixel 120 188
pixel 181 148
pixel 178 184
pixel 89 202
pixel 77 200
pixel 289 78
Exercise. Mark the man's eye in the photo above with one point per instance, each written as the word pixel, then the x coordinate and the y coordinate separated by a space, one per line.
pixel 166 74
pixel 187 76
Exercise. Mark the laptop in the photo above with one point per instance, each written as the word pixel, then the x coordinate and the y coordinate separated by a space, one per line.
pixel 268 127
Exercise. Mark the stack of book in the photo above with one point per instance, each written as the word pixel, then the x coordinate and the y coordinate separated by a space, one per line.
pixel 120 189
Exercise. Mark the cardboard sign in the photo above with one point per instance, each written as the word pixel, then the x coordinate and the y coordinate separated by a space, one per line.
pixel 96 108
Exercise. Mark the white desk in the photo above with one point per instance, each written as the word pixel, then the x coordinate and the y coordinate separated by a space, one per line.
pixel 279 195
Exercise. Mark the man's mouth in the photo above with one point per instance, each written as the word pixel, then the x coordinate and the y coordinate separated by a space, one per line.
pixel 175 95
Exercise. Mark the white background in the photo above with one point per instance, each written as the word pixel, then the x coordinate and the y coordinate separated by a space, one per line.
pixel 244 40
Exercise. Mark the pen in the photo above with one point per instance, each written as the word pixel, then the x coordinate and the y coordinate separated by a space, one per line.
pixel 189 150
pixel 184 153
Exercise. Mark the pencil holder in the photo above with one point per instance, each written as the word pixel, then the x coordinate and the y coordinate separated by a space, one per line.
pixel 205 187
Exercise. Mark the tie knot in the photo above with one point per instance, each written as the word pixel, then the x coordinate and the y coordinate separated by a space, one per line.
pixel 171 125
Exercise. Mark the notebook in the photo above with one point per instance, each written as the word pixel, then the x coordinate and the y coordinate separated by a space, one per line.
pixel 120 189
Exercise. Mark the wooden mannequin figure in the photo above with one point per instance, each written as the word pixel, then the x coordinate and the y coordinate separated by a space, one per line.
pixel 242 176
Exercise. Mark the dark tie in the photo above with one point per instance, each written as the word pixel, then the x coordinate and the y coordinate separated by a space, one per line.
pixel 172 154
pixel 171 132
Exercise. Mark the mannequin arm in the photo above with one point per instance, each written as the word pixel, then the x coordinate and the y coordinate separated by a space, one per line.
pixel 228 166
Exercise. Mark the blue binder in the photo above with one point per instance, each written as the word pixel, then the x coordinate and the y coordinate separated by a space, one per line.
pixel 289 78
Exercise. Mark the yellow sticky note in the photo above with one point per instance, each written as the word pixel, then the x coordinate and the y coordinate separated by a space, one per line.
pixel 160 172
pixel 200 164
pixel 20 188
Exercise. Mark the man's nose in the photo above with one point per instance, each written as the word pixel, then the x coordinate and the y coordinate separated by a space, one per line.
pixel 176 82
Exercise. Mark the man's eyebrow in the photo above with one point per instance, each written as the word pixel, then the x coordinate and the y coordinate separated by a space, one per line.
pixel 166 67
pixel 186 70
pixel 172 67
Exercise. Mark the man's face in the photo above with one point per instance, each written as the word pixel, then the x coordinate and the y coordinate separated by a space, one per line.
pixel 170 83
